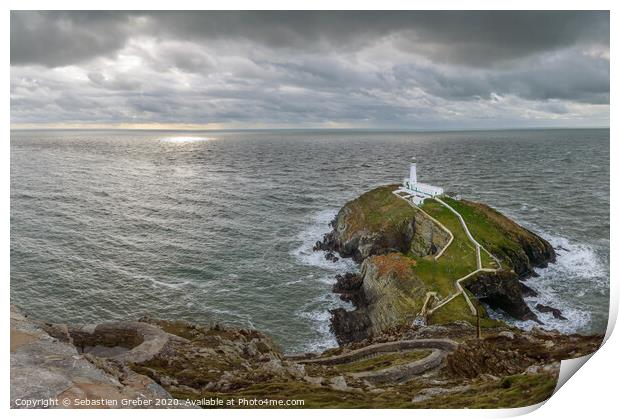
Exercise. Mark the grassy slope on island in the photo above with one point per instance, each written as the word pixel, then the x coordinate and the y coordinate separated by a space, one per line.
pixel 378 223
pixel 457 261
pixel 378 211
pixel 503 237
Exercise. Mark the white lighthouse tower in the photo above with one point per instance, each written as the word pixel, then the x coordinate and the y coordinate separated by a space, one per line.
pixel 413 175
pixel 414 190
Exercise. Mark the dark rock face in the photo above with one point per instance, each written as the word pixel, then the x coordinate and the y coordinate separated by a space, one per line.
pixel 349 286
pixel 350 326
pixel 365 244
pixel 546 309
pixel 331 257
pixel 501 290
pixel 530 256
pixel 527 291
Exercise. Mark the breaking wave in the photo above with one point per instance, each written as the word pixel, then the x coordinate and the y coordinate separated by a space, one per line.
pixel 316 311
pixel 568 285
pixel 308 237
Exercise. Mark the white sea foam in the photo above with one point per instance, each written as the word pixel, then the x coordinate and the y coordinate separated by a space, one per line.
pixel 316 311
pixel 577 260
pixel 157 283
pixel 319 225
pixel 577 272
pixel 320 319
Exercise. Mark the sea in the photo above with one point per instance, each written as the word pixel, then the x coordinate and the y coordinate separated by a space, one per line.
pixel 218 226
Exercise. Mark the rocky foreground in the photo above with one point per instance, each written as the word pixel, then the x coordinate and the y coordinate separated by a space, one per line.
pixel 173 364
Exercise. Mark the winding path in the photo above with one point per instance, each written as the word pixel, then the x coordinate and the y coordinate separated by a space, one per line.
pixel 426 310
pixel 397 373
pixel 470 237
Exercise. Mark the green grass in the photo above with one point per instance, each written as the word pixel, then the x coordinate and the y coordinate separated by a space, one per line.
pixel 485 228
pixel 457 261
pixel 511 391
pixel 378 210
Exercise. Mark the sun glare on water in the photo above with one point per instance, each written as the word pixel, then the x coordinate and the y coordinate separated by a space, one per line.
pixel 185 140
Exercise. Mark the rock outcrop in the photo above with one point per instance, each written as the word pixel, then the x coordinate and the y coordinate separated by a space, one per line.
pixel 507 353
pixel 390 294
pixel 214 358
pixel 378 223
pixel 190 365
pixel 52 372
pixel 501 290
pixel 546 309
pixel 349 286
pixel 133 361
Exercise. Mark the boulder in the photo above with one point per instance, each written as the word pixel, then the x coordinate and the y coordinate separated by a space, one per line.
pixel 546 309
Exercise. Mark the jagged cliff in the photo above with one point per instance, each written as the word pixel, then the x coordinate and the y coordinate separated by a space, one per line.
pixel 387 294
pixel 396 242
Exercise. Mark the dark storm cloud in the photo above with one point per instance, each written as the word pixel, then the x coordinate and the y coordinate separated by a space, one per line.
pixel 473 38
pixel 290 68
pixel 62 38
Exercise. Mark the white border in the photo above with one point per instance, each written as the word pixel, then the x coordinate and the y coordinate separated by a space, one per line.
pixel 592 394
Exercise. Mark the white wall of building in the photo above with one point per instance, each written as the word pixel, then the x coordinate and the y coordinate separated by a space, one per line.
pixel 416 188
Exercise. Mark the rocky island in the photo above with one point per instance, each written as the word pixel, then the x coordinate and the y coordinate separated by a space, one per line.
pixel 418 335
pixel 398 246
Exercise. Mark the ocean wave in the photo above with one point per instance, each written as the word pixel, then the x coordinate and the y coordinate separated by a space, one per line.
pixel 157 283
pixel 577 260
pixel 316 311
pixel 326 339
pixel 577 273
pixel 314 231
pixel 576 319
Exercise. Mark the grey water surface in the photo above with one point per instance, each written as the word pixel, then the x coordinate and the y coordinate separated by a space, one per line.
pixel 219 226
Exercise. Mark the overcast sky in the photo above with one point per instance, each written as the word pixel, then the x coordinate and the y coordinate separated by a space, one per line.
pixel 416 70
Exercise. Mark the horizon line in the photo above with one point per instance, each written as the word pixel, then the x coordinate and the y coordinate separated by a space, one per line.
pixel 386 129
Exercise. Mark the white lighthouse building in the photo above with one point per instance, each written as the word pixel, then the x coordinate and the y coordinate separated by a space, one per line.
pixel 415 190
